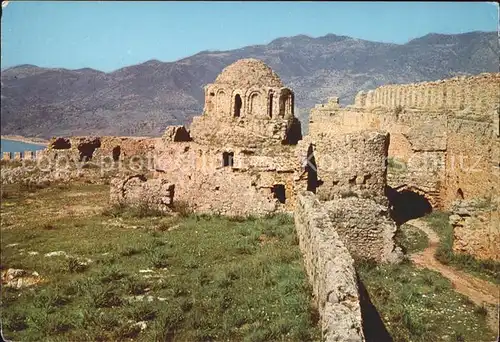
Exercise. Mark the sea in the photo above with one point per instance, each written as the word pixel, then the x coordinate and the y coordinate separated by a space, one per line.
pixel 17 146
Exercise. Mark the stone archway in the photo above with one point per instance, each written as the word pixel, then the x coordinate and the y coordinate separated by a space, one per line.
pixel 408 202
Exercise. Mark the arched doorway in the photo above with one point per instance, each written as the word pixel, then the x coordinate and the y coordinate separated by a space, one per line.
pixel 407 205
pixel 237 106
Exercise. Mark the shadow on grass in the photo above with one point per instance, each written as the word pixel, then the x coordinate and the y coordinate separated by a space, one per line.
pixel 373 327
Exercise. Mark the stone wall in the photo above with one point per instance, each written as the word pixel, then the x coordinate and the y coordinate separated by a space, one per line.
pixel 136 190
pixel 476 227
pixel 245 132
pixel 444 140
pixel 479 93
pixel 331 272
pixel 351 163
pixel 365 227
pixel 89 147
pixel 231 180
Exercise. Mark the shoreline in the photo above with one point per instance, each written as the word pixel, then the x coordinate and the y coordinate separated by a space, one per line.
pixel 18 138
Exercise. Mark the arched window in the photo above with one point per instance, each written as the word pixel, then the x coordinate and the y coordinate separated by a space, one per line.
pixel 227 159
pixel 271 105
pixel 254 103
pixel 460 194
pixel 221 99
pixel 282 109
pixel 237 106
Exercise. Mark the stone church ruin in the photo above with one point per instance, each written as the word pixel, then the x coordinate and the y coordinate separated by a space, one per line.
pixel 360 172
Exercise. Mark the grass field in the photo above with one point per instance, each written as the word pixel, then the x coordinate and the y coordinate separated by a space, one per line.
pixel 118 274
pixel 124 274
pixel 411 239
pixel 420 305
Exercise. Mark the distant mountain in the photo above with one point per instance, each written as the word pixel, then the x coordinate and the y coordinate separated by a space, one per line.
pixel 143 99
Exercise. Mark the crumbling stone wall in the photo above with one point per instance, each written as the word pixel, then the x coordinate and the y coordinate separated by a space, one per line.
pixel 136 190
pixel 475 225
pixel 444 138
pixel 352 163
pixel 230 180
pixel 88 147
pixel 365 227
pixel 331 272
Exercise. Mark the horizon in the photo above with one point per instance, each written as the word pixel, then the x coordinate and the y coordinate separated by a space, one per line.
pixel 32 34
pixel 222 51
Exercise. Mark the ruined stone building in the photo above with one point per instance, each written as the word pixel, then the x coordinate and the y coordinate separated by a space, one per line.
pixel 245 155
pixel 397 153
pixel 444 147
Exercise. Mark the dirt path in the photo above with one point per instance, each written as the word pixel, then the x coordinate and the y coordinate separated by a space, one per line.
pixel 479 291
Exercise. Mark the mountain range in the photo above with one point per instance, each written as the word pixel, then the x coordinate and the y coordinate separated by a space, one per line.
pixel 142 99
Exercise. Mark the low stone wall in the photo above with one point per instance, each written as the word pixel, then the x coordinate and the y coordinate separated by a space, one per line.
pixel 331 272
pixel 26 155
pixel 136 190
pixel 100 147
pixel 365 228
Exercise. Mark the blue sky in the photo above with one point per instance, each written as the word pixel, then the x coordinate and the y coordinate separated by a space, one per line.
pixel 109 35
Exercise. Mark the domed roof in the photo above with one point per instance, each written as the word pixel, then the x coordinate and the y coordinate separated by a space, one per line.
pixel 248 72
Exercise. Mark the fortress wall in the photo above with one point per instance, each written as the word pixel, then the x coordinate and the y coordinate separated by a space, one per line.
pixel 479 93
pixel 471 189
pixel 100 147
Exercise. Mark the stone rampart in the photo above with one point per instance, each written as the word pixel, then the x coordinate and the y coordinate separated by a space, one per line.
pixel 479 93
pixel 444 141
pixel 365 227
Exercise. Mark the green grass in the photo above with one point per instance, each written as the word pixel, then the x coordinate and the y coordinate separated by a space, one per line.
pixel 211 278
pixel 411 239
pixel 486 269
pixel 420 305
pixel 396 166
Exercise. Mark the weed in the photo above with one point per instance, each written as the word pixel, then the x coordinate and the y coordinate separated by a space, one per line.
pixel 411 239
pixel 182 208
pixel 48 226
pixel 104 297
pixel 129 251
pixel 348 193
pixel 398 110
pixel 76 266
pixel 481 310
